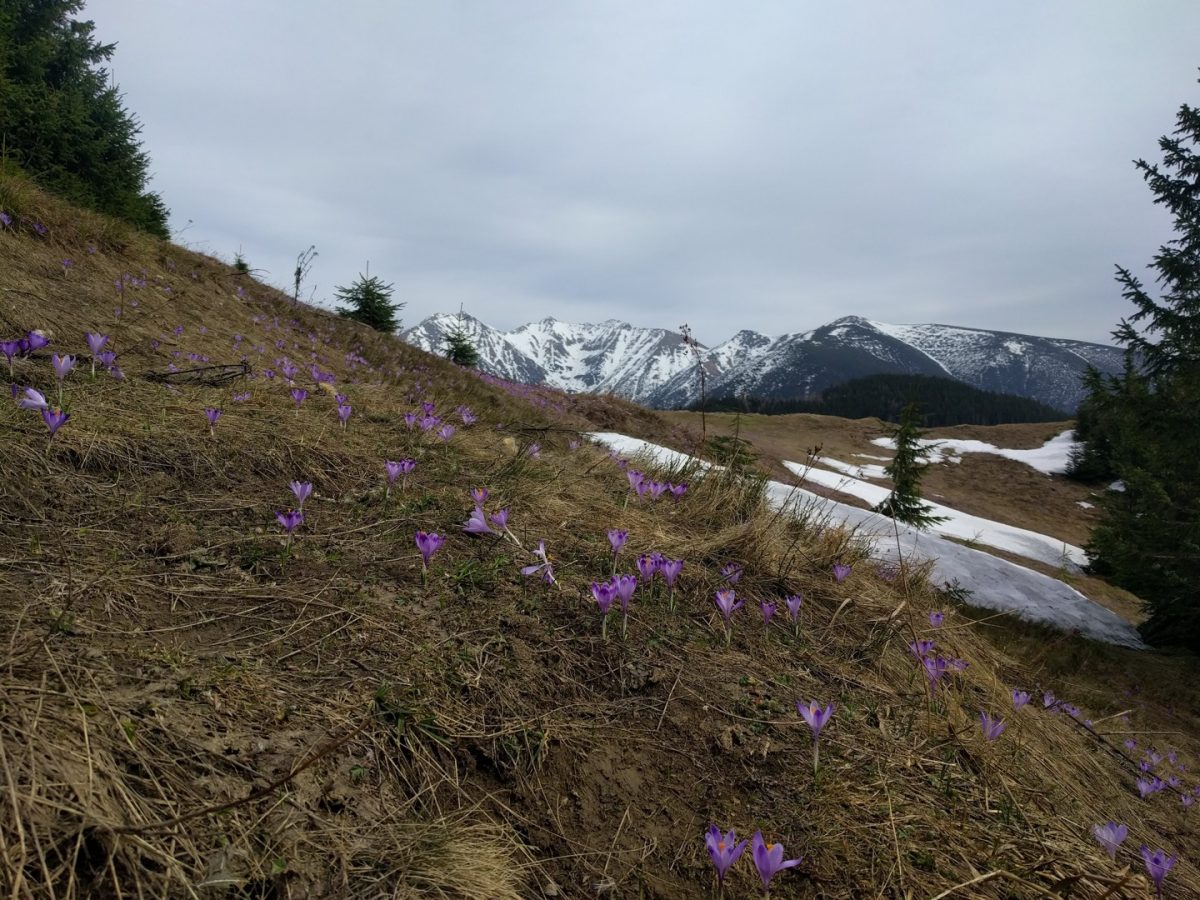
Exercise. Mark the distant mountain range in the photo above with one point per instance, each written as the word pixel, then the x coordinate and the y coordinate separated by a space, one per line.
pixel 654 366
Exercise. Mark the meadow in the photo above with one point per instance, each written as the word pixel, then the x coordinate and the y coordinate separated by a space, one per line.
pixel 291 609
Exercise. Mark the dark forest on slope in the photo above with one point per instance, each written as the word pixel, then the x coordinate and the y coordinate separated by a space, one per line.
pixel 942 401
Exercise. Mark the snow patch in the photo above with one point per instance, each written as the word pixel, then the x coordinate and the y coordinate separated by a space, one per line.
pixel 1052 458
pixel 961 525
pixel 863 471
pixel 1014 347
pixel 635 447
pixel 993 583
pixel 1085 504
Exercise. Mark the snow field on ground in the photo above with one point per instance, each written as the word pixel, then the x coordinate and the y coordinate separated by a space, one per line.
pixel 961 525
pixel 993 583
pixel 863 471
pixel 1050 459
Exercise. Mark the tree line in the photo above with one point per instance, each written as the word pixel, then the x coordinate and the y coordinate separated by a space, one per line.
pixel 940 401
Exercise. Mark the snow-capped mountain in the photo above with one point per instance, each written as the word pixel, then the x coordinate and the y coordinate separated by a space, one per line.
pixel 655 367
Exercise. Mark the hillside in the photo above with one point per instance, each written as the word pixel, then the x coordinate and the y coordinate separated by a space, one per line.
pixel 193 705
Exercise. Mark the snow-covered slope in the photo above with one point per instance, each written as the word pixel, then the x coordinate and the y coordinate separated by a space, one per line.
pixel 612 357
pixel 496 354
pixel 992 583
pixel 655 367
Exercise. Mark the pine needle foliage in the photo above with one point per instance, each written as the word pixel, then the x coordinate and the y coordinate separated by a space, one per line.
pixel 906 468
pixel 460 349
pixel 62 120
pixel 1141 428
pixel 369 300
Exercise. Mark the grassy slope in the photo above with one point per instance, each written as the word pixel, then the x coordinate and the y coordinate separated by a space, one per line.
pixel 983 485
pixel 184 703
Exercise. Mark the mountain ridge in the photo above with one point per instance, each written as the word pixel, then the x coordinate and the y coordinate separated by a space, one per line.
pixel 656 367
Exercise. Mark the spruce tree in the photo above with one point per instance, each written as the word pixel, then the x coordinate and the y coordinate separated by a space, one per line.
pixel 906 468
pixel 1143 427
pixel 368 301
pixel 63 122
pixel 460 349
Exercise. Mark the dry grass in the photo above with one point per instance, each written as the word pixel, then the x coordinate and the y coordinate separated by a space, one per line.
pixel 188 710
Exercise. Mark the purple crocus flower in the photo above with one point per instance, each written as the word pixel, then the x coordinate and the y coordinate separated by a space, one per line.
pixel 1111 836
pixel 646 566
pixel 302 490
pixel 428 543
pixel 768 859
pixel 95 344
pixel 396 470
pixel 299 395
pixel 5 220
pixel 1130 744
pixel 617 538
pixel 921 648
pixel 1049 701
pixel 10 349
pixel 731 572
pixel 816 716
pixel 656 489
pixel 723 849
pixel 728 604
pixel 477 523
pixel 343 413
pixel 290 520
pixel 624 587
pixel 54 419
pixel 572 445
pixel 410 419
pixel 62 365
pixel 768 611
pixel 446 432
pixel 677 491
pixel 936 619
pixel 1187 800
pixel 794 602
pixel 544 568
pixel 500 519
pixel 935 669
pixel 841 572
pixel 479 495
pixel 534 451
pixel 1148 786
pixel 212 414
pixel 670 569
pixel 1019 699
pixel 33 400
pixel 635 478
pixel 35 340
pixel 604 593
pixel 1158 864
pixel 992 727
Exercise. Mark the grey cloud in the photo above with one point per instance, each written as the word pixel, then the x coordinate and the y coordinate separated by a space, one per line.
pixel 769 165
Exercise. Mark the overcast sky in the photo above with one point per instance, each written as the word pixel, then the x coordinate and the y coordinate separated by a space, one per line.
pixel 766 165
